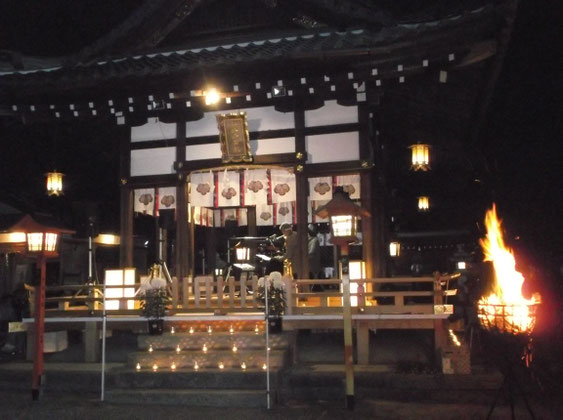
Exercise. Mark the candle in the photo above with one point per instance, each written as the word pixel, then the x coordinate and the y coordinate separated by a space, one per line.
pixel 155 367
pixel 138 367
pixel 150 348
pixel 173 366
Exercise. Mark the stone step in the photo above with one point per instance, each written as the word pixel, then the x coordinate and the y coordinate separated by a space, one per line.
pixel 215 340
pixel 210 378
pixel 189 397
pixel 187 358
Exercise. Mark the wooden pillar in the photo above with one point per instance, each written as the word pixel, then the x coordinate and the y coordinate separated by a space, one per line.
pixel 182 249
pixel 301 187
pixel 368 254
pixel 126 226
pixel 126 201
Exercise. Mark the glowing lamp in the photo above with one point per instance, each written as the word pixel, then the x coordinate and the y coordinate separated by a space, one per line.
pixel 423 203
pixel 54 183
pixel 204 348
pixel 125 278
pixel 173 367
pixel 243 253
pixel 420 157
pixel 196 366
pixel 343 214
pixel 138 367
pixel 357 272
pixel 150 349
pixel 221 365
pixel 461 265
pixel 243 366
pixel 235 348
pixel 212 96
pixel 178 349
pixel 155 367
pixel 107 239
pixel 394 249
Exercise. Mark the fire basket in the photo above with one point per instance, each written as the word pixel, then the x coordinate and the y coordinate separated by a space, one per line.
pixel 508 336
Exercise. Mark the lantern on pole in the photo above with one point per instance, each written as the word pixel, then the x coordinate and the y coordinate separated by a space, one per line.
pixel 41 241
pixel 420 157
pixel 54 183
pixel 243 253
pixel 343 214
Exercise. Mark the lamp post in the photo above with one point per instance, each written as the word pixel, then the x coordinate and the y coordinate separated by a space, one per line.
pixel 343 214
pixel 41 241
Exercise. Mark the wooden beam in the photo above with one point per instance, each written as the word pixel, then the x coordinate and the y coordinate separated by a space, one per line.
pixel 126 201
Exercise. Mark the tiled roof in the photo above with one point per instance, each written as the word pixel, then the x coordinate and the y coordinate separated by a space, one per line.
pixel 296 46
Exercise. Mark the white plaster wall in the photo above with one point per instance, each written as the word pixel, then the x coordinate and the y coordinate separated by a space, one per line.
pixel 155 161
pixel 203 151
pixel 258 147
pixel 273 146
pixel 330 114
pixel 259 119
pixel 337 147
pixel 153 130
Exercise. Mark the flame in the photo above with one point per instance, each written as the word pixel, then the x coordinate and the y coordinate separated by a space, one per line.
pixel 505 304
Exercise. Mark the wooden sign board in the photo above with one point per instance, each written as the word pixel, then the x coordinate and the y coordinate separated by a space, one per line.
pixel 233 135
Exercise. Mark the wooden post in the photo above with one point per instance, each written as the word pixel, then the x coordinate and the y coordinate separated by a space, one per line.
pixel 126 202
pixel 347 315
pixel 440 330
pixel 39 330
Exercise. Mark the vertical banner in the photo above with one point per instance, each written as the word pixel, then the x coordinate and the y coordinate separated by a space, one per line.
pixel 320 188
pixel 217 218
pixel 201 189
pixel 229 189
pixel 264 215
pixel 210 217
pixel 144 201
pixel 350 184
pixel 242 217
pixel 283 186
pixel 228 214
pixel 196 214
pixel 255 187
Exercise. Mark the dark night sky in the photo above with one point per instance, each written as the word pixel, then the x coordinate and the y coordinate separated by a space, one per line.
pixel 520 141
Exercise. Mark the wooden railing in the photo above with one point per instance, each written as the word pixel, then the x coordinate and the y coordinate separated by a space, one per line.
pixel 394 295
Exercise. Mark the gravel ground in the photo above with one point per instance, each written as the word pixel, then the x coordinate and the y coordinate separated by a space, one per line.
pixel 18 405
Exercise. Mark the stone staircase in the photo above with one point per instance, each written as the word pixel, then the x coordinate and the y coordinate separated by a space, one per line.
pixel 216 364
